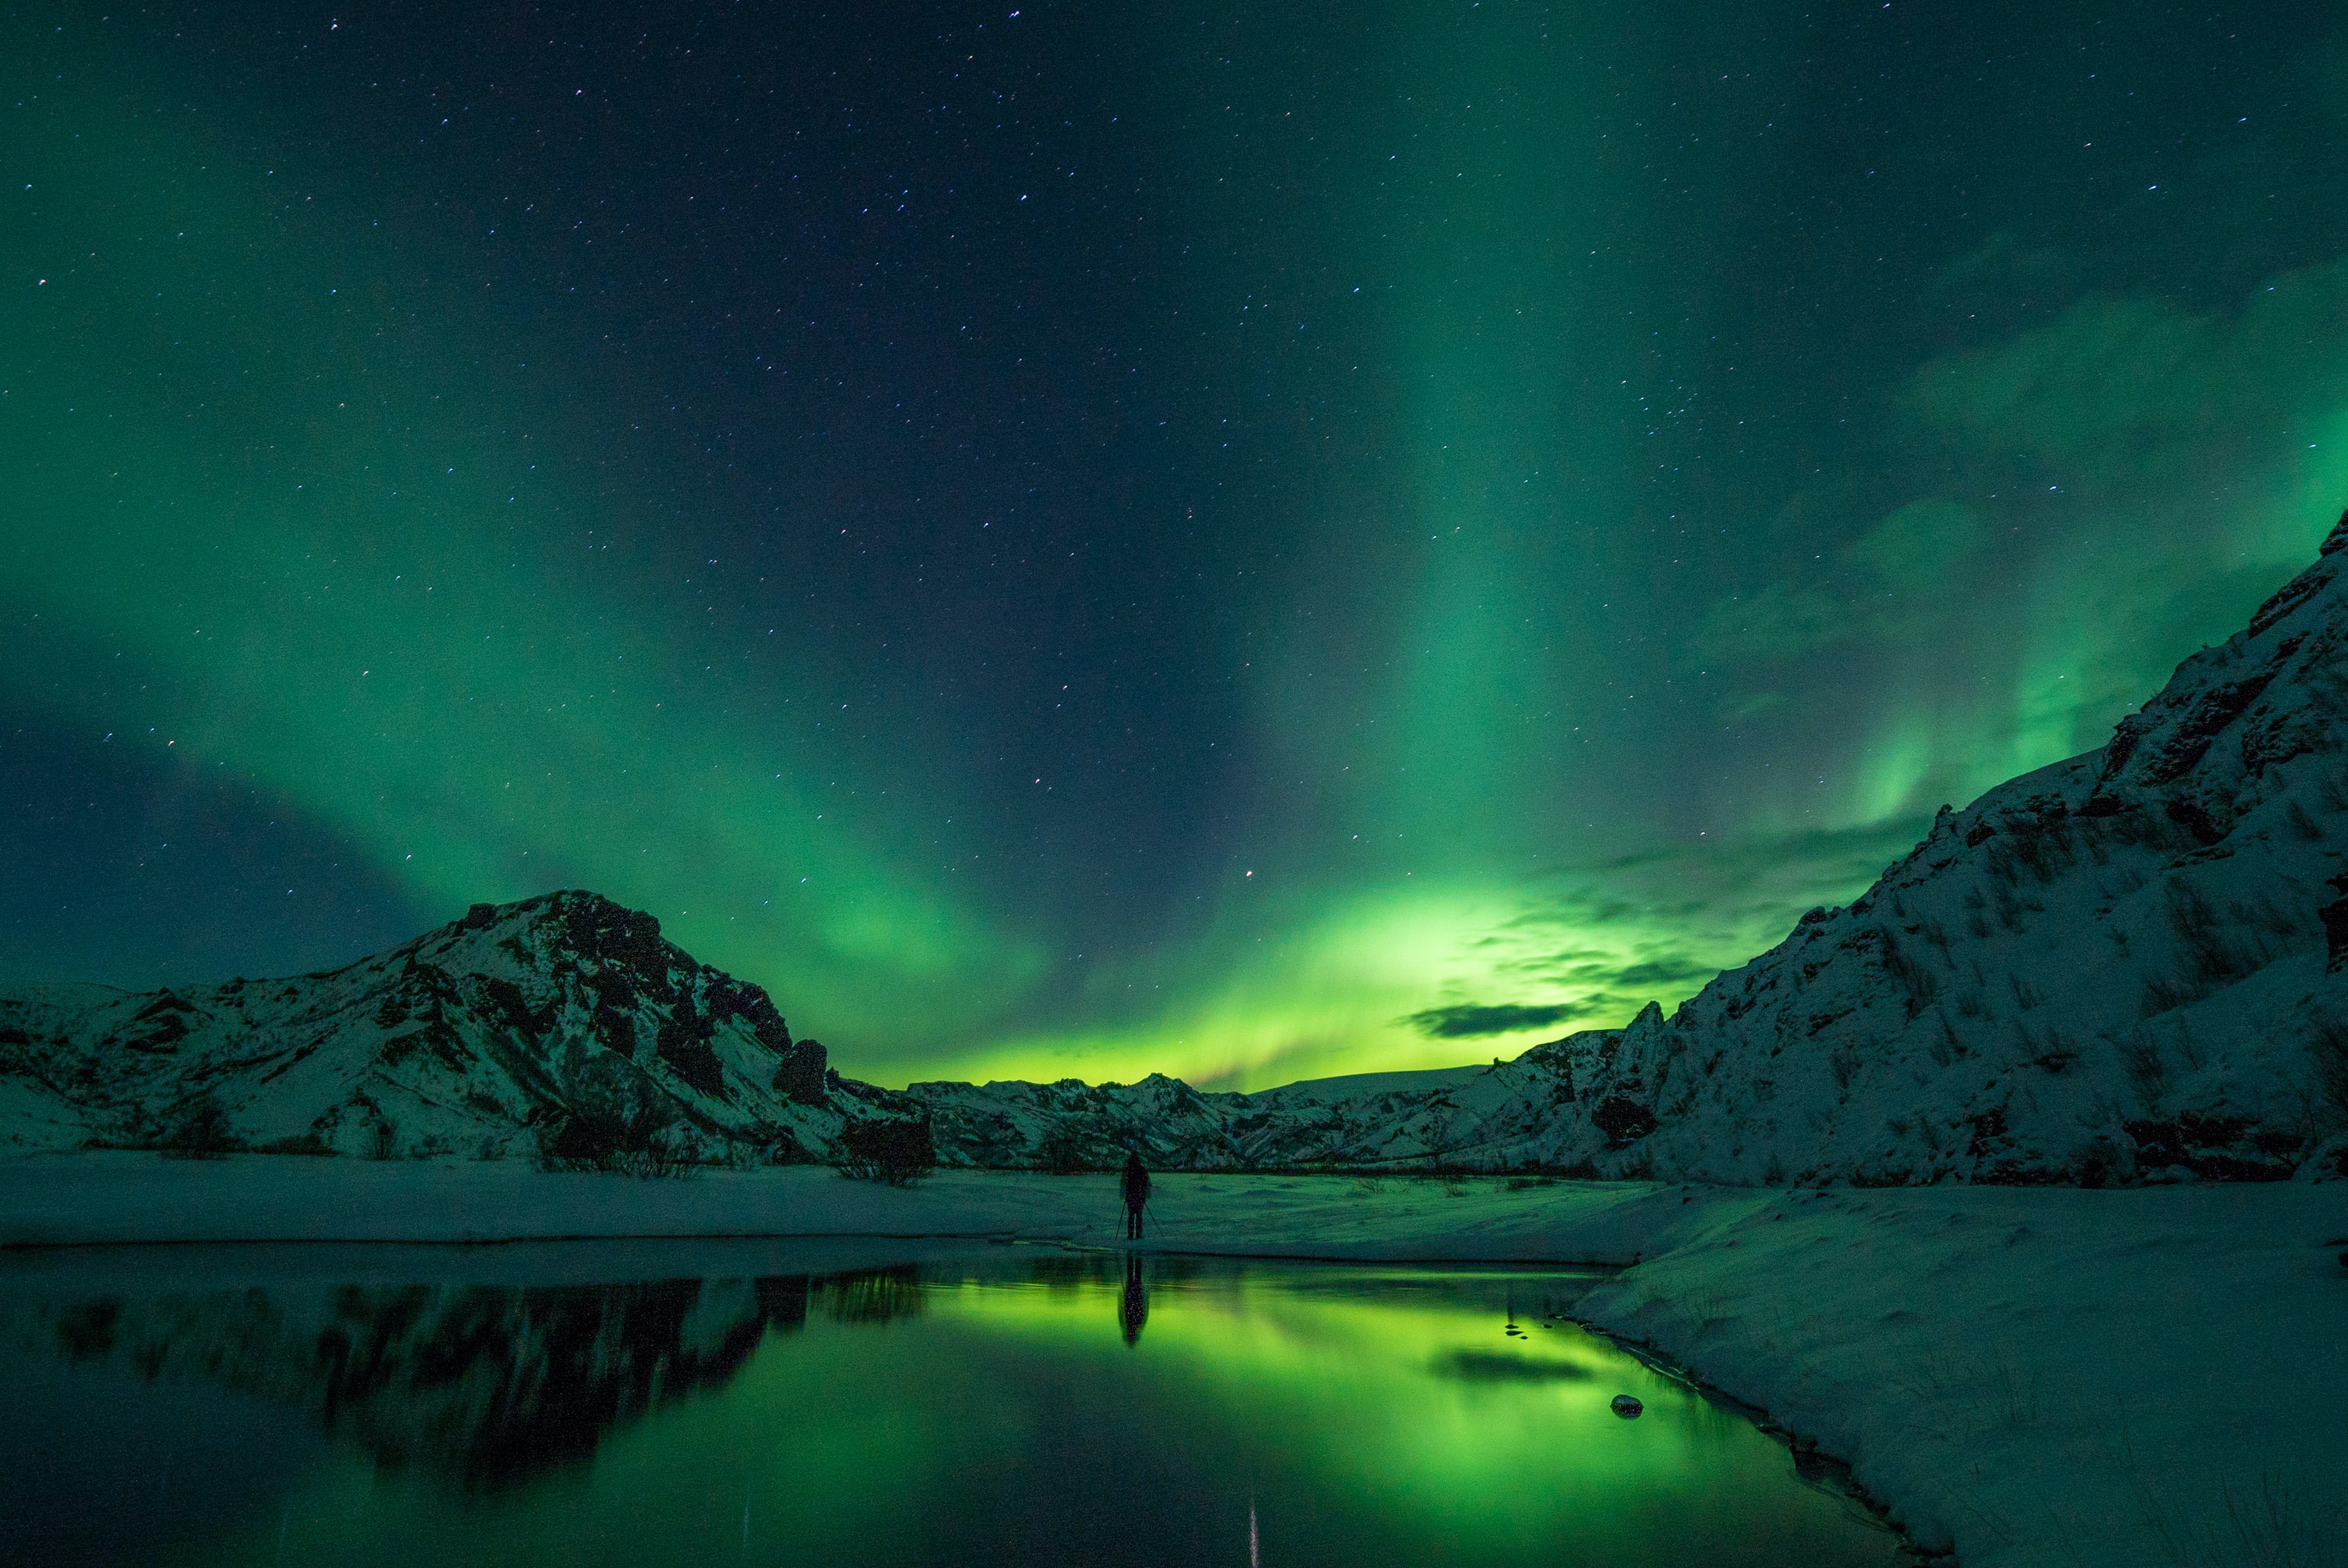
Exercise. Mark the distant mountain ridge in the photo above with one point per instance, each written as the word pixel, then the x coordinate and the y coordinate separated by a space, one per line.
pixel 2125 967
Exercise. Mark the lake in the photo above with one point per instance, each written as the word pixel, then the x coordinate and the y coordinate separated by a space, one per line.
pixel 593 1403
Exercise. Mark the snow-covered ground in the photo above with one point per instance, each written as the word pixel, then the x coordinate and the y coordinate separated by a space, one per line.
pixel 2029 1376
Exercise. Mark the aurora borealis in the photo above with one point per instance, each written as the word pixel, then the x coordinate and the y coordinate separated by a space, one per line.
pixel 1077 540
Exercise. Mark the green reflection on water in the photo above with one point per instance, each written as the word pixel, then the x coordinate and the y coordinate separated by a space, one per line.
pixel 1304 1414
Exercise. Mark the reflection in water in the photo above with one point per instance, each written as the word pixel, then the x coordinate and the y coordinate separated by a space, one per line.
pixel 477 1385
pixel 874 1295
pixel 1504 1367
pixel 1133 1307
pixel 912 1415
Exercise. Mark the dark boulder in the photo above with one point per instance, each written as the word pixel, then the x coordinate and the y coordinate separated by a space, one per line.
pixel 1623 1121
pixel 800 1077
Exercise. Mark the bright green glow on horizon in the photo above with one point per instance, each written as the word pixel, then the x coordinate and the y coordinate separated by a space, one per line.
pixel 1332 988
pixel 1361 1416
pixel 1328 994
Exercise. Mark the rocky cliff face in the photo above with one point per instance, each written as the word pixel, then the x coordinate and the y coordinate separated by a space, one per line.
pixel 563 1024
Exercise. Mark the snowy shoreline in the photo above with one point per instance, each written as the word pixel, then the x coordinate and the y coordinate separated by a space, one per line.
pixel 2022 1375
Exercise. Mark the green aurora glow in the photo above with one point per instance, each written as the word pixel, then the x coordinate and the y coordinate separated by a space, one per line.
pixel 1615 610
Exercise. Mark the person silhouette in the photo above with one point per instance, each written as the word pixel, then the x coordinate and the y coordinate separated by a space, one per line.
pixel 1135 1187
pixel 1134 1311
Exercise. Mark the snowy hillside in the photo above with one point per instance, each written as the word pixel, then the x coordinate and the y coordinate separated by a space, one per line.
pixel 2125 967
pixel 563 1024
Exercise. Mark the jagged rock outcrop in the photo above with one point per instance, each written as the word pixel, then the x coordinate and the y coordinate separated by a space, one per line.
pixel 561 1024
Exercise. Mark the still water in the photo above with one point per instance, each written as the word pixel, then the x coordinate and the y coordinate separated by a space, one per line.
pixel 1018 1406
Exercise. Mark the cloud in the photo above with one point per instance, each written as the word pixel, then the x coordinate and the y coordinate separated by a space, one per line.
pixel 1917 547
pixel 1493 1367
pixel 1662 972
pixel 2122 389
pixel 1886 572
pixel 2002 271
pixel 1626 976
pixel 1471 1020
pixel 1780 622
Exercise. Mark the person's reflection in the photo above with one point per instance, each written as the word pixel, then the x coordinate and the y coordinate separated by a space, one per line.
pixel 1135 1309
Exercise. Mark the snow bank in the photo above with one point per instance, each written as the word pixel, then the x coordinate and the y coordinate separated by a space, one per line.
pixel 2037 1376
pixel 2025 1375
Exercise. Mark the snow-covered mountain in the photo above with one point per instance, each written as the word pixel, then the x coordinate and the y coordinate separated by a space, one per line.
pixel 2125 967
pixel 561 1025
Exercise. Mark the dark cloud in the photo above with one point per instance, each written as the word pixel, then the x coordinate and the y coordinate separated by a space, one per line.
pixel 1470 1020
pixel 1883 590
pixel 1492 1367
pixel 1663 972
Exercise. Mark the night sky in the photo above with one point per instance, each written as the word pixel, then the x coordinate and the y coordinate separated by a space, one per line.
pixel 1247 541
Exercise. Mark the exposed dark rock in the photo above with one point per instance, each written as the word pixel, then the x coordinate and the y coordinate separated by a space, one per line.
pixel 800 1075
pixel 2214 709
pixel 1623 1121
pixel 2220 1148
pixel 684 1043
pixel 2334 916
pixel 888 1149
